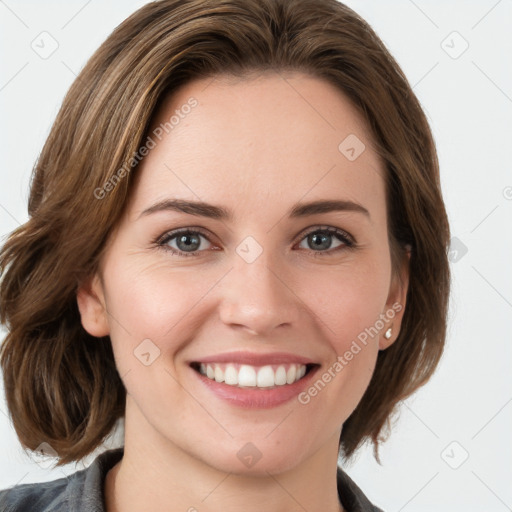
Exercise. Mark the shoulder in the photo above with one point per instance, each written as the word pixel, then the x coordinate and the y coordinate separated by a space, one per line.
pixel 81 492
pixel 351 496
pixel 40 497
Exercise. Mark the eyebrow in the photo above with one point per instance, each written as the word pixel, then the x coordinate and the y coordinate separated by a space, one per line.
pixel 211 211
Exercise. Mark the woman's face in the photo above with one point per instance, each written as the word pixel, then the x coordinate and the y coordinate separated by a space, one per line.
pixel 267 285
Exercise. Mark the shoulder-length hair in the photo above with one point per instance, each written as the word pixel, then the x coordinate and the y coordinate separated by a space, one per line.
pixel 61 384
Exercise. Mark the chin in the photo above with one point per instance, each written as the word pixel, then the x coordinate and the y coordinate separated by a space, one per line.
pixel 254 458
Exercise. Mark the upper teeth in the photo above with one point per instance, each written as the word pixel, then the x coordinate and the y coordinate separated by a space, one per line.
pixel 259 376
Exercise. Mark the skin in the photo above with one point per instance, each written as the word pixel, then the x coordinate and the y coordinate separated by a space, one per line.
pixel 255 146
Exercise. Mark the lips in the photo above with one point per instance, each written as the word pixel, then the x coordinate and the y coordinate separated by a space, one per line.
pixel 255 380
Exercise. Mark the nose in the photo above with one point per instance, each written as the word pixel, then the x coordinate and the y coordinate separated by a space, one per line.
pixel 257 297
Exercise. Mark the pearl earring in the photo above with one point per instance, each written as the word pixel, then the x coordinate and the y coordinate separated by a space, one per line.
pixel 387 334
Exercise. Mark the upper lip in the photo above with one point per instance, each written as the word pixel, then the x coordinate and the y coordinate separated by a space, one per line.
pixel 255 359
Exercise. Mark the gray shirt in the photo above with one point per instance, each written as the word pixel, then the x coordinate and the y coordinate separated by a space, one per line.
pixel 83 491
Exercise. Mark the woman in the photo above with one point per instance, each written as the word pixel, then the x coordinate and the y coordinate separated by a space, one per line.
pixel 237 242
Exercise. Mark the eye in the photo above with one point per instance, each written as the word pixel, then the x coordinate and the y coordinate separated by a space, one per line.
pixel 183 243
pixel 325 241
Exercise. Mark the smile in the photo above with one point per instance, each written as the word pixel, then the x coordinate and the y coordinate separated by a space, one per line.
pixel 249 376
pixel 254 380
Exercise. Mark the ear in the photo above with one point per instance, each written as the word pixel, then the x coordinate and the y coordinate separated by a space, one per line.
pixel 91 304
pixel 395 304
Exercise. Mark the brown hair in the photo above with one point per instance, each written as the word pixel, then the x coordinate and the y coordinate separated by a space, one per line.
pixel 61 384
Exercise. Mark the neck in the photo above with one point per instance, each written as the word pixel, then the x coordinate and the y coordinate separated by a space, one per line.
pixel 158 475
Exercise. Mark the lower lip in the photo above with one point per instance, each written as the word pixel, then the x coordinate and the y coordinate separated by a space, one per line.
pixel 262 398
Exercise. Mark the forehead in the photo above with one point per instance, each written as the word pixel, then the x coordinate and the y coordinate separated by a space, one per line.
pixel 273 137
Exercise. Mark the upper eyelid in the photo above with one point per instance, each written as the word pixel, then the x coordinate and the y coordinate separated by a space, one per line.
pixel 331 229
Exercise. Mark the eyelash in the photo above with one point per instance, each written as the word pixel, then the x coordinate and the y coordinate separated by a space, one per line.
pixel 348 241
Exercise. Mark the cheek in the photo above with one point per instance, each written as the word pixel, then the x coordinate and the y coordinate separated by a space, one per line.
pixel 157 303
pixel 348 302
pixel 153 303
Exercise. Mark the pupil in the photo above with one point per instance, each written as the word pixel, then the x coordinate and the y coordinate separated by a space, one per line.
pixel 321 241
pixel 188 246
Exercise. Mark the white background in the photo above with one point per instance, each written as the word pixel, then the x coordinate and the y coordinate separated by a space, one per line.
pixel 468 101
